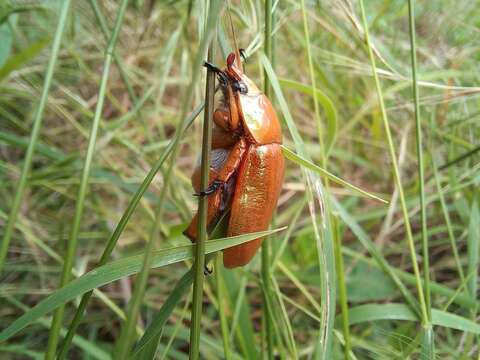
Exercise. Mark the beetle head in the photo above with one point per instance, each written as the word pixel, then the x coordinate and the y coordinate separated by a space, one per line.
pixel 235 74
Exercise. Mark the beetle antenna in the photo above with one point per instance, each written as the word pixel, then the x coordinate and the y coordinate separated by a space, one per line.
pixel 235 45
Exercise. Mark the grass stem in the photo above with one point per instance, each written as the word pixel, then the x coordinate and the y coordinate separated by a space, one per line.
pixel 266 270
pixel 82 191
pixel 428 341
pixel 396 172
pixel 112 241
pixel 32 144
pixel 199 263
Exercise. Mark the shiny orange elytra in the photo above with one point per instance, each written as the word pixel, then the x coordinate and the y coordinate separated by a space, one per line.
pixel 247 166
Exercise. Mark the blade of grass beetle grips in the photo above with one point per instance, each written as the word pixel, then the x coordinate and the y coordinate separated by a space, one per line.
pixel 127 331
pixel 112 241
pixel 265 253
pixel 37 124
pixel 116 270
pixel 199 260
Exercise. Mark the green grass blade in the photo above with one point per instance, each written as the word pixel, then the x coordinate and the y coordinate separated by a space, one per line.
pixel 156 326
pixel 222 304
pixel 112 241
pixel 22 57
pixel 342 289
pixel 327 105
pixel 428 337
pixel 266 261
pixel 202 235
pixel 309 165
pixel 368 244
pixel 87 346
pixel 392 311
pixel 323 237
pixel 82 191
pixel 396 172
pixel 126 334
pixel 473 249
pixel 116 270
pixel 37 124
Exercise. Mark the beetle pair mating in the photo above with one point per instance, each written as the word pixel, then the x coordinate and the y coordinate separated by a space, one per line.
pixel 247 165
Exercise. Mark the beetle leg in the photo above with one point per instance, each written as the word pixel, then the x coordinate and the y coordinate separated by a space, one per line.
pixel 243 54
pixel 213 187
pixel 229 167
pixel 222 139
pixel 233 161
pixel 214 203
pixel 207 270
pixel 228 117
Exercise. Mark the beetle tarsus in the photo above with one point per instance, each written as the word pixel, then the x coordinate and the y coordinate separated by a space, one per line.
pixel 207 270
pixel 243 54
pixel 213 187
pixel 212 67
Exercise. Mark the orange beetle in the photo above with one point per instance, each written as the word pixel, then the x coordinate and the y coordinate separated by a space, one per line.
pixel 247 165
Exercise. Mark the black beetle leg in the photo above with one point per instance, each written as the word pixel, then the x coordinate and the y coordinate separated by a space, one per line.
pixel 243 54
pixel 221 75
pixel 207 270
pixel 213 187
pixel 212 67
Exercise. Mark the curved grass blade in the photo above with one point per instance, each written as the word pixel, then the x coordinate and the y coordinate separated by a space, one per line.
pixel 309 165
pixel 323 233
pixel 116 270
pixel 327 104
pixel 394 311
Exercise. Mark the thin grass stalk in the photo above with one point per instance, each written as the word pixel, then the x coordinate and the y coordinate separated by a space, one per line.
pixel 118 61
pixel 112 241
pixel 396 171
pixel 448 222
pixel 120 65
pixel 82 191
pixel 428 351
pixel 265 267
pixel 199 263
pixel 342 288
pixel 328 313
pixel 37 125
pixel 125 339
pixel 221 307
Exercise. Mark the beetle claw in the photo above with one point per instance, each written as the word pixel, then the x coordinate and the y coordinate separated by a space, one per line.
pixel 221 75
pixel 243 54
pixel 212 67
pixel 207 270
pixel 213 187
